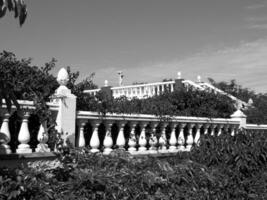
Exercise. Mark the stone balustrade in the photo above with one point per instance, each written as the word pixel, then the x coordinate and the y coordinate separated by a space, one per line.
pixel 24 134
pixel 256 128
pixel 138 91
pixel 147 134
pixel 143 90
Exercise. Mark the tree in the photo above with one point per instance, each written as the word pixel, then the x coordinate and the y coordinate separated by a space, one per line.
pixel 257 112
pixel 18 7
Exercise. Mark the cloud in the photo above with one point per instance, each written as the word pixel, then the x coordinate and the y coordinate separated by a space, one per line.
pixel 247 63
pixel 255 6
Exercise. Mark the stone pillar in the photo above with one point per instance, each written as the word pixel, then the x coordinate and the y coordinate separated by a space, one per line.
pixel 178 83
pixel 5 135
pixel 108 142
pixel 106 91
pixel 66 117
pixel 241 117
pixel 24 136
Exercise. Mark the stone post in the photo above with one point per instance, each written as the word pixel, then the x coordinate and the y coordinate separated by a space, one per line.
pixel 178 83
pixel 106 91
pixel 241 117
pixel 66 116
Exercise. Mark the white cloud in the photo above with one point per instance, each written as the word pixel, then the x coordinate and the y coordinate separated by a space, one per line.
pixel 255 6
pixel 247 63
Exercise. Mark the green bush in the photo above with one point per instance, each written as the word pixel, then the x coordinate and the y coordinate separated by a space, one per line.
pixel 223 167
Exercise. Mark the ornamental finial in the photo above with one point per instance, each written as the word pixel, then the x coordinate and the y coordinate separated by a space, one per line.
pixel 106 83
pixel 179 75
pixel 199 79
pixel 62 77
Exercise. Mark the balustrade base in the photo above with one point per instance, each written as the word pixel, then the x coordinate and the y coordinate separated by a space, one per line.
pixel 42 148
pixel 173 150
pixel 5 149
pixel 24 148
pixel 23 151
pixel 94 150
pixel 107 151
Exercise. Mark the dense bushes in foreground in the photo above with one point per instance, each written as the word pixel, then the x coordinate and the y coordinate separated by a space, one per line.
pixel 224 167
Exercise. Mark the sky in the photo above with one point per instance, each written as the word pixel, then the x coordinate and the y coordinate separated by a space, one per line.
pixel 148 40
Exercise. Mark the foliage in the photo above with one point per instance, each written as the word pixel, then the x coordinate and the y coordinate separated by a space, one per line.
pixel 257 112
pixel 223 167
pixel 20 80
pixel 17 6
pixel 185 102
pixel 234 89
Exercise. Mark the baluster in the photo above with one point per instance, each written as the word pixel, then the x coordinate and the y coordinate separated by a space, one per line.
pixel 149 91
pixel 132 139
pixel 24 136
pixel 5 135
pixel 173 140
pixel 163 88
pixel 163 139
pixel 153 138
pixel 226 128
pixel 158 91
pixel 190 139
pixel 153 90
pixel 213 127
pixel 120 142
pixel 172 87
pixel 81 140
pixel 42 137
pixel 108 142
pixel 142 138
pixel 219 127
pixel 181 139
pixel 197 136
pixel 94 142
pixel 233 130
pixel 206 129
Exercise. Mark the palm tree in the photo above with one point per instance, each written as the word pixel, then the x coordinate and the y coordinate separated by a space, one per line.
pixel 16 6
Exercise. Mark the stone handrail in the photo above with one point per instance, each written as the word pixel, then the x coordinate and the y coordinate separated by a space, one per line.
pixel 173 135
pixel 256 128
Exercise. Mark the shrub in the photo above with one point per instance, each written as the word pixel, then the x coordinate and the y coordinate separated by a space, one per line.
pixel 222 167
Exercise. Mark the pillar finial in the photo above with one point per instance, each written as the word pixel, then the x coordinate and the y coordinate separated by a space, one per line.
pixel 106 83
pixel 199 79
pixel 62 77
pixel 179 75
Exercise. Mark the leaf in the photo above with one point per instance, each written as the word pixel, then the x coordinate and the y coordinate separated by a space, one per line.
pixel 3 8
pixel 23 14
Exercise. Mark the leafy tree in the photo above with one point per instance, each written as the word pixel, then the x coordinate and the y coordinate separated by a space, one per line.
pixel 257 112
pixel 18 7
